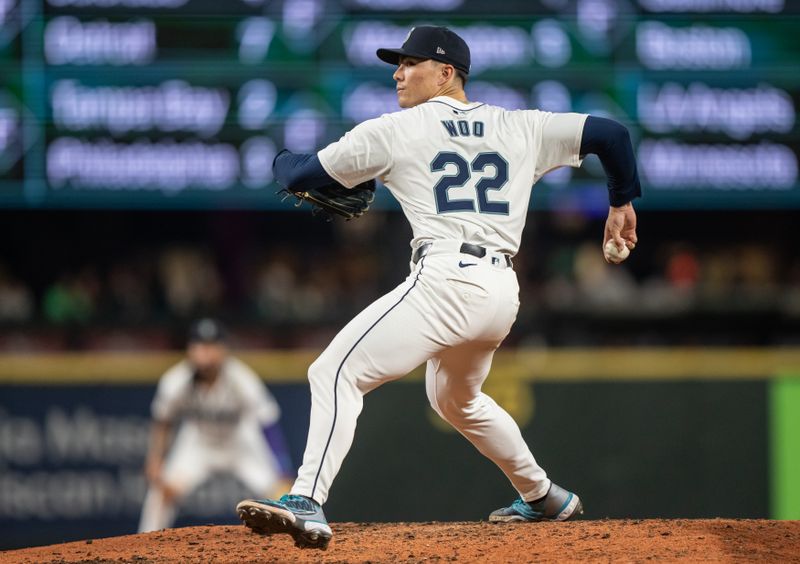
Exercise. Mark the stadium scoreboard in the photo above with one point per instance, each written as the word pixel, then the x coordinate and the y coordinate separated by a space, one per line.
pixel 184 103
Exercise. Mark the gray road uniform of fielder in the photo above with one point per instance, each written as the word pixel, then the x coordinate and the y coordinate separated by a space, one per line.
pixel 462 173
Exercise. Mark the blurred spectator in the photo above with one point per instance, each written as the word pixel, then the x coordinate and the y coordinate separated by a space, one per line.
pixel 718 276
pixel 275 286
pixel 757 274
pixel 683 269
pixel 130 290
pixel 315 296
pixel 190 280
pixel 16 300
pixel 600 284
pixel 72 298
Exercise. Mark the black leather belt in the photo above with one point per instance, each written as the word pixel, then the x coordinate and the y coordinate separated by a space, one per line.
pixel 466 248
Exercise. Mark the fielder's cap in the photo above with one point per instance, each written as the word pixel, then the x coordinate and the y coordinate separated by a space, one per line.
pixel 207 330
pixel 431 42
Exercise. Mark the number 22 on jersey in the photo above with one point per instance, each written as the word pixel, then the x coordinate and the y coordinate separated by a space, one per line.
pixel 463 174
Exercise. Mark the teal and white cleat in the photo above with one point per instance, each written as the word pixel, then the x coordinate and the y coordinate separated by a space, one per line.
pixel 294 515
pixel 557 505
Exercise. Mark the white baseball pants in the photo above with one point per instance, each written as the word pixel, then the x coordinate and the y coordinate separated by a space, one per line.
pixel 452 312
pixel 193 459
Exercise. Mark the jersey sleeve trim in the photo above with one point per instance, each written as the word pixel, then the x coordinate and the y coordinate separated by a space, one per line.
pixel 577 159
pixel 321 155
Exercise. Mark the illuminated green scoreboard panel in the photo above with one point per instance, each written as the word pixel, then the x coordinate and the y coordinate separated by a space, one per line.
pixel 184 103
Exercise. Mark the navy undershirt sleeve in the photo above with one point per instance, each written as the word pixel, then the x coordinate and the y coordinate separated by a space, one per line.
pixel 611 142
pixel 301 171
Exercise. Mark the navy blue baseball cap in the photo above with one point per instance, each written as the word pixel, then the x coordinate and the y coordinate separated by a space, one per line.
pixel 207 330
pixel 431 42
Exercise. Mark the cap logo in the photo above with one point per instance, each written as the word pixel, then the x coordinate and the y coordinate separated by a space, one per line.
pixel 440 51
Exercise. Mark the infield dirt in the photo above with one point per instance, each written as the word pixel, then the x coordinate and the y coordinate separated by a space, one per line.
pixel 716 540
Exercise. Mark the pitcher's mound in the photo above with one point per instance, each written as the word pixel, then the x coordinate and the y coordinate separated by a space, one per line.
pixel 716 540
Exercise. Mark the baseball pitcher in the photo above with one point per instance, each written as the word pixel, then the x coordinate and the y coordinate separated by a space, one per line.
pixel 224 413
pixel 462 172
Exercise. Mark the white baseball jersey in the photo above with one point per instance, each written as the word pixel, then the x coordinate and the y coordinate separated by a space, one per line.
pixel 214 413
pixel 460 171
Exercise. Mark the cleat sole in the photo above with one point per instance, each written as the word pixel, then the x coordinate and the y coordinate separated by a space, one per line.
pixel 306 540
pixel 263 521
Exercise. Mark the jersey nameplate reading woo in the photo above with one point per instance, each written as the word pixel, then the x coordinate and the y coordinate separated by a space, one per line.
pixel 461 128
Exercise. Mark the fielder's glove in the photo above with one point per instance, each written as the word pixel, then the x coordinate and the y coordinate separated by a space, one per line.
pixel 336 199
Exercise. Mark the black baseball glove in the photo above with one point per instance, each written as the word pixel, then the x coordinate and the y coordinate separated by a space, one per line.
pixel 334 198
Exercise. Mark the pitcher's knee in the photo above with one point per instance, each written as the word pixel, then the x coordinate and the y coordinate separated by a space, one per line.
pixel 434 401
pixel 320 372
pixel 323 374
pixel 462 411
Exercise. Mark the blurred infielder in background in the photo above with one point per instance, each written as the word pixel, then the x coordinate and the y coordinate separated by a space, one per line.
pixel 228 422
pixel 462 172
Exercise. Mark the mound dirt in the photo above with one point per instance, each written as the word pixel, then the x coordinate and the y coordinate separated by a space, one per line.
pixel 716 540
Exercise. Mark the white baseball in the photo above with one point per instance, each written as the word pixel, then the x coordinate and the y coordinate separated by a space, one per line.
pixel 615 255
